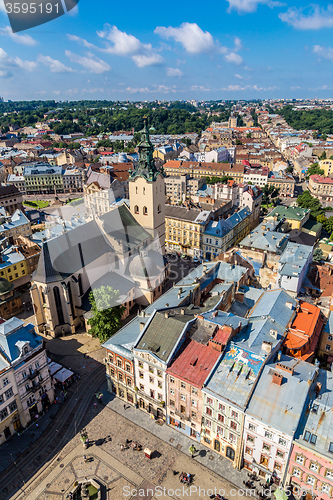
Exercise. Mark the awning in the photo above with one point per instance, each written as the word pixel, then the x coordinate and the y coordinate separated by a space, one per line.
pixel 63 375
pixel 54 367
pixel 280 495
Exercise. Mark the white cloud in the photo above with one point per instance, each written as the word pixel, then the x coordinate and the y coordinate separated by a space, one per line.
pixel 245 6
pixel 196 41
pixel 54 65
pixel 23 39
pixel 174 72
pixel 314 18
pixel 127 45
pixel 233 57
pixel 8 65
pixel 82 41
pixel 143 60
pixel 190 36
pixel 27 65
pixel 240 77
pixel 90 62
pixel 323 52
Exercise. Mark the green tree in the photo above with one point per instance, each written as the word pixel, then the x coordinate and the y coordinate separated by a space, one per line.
pixel 317 255
pixel 323 156
pixel 106 320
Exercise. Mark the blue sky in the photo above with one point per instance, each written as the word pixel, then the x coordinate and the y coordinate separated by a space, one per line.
pixel 231 49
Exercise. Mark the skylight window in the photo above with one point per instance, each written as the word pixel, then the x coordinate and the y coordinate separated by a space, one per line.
pixel 307 436
pixel 313 439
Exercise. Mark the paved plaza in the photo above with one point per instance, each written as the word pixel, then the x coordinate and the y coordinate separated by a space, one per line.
pixel 125 473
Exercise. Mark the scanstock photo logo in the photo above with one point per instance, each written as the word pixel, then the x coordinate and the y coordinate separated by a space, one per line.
pixel 28 14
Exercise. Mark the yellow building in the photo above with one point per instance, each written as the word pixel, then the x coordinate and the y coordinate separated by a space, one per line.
pixel 13 265
pixel 204 169
pixel 321 187
pixel 295 217
pixel 327 166
pixel 184 229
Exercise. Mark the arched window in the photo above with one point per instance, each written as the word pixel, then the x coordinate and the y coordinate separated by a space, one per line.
pixel 136 209
pixel 145 211
pixel 159 209
pixel 136 190
pixel 144 190
pixel 58 305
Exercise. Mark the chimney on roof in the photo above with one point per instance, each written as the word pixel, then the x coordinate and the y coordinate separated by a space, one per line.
pixel 142 325
pixel 215 313
pixel 182 311
pixel 277 378
pixel 166 314
pixel 266 346
pixel 285 368
pixel 289 305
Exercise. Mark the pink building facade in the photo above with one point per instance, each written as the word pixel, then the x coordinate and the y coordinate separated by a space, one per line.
pixel 310 473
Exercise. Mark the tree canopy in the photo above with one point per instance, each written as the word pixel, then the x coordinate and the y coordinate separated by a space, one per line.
pixel 106 320
pixel 320 120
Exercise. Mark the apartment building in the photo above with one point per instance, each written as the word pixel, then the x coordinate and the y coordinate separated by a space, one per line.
pixel 282 181
pixel 10 405
pixel 223 234
pixel 321 187
pixel 310 468
pixel 273 415
pixel 327 166
pixel 25 351
pixel 256 176
pixel 184 228
pixel 11 198
pixel 201 169
pixel 163 335
pixel 181 188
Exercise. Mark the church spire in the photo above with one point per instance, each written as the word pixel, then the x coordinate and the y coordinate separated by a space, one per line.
pixel 146 166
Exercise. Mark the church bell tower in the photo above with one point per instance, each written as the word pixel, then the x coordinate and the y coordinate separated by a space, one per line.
pixel 147 191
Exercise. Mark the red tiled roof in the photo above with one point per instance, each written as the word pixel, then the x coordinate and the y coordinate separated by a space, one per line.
pixel 194 364
pixel 321 179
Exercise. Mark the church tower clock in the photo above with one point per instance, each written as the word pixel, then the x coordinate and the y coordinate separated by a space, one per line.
pixel 147 191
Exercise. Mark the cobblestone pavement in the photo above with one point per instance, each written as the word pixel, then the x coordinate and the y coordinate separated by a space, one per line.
pixel 125 473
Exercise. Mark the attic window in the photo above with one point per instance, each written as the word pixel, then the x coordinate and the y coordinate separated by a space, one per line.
pixel 330 448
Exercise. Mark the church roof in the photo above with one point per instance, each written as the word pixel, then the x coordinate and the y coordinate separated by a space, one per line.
pixel 115 231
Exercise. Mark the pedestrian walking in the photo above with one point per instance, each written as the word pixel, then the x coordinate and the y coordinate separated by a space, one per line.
pixel 124 407
pixel 192 450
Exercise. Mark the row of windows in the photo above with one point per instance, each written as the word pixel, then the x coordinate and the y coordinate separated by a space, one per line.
pixel 8 394
pixel 251 439
pixel 267 434
pixel 152 393
pixel 183 385
pixel 8 410
pixel 314 466
pixel 121 377
pixel 119 362
pixel 312 481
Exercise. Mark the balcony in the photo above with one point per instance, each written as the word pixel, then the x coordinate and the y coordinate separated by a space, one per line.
pixel 34 388
pixel 183 416
pixel 33 374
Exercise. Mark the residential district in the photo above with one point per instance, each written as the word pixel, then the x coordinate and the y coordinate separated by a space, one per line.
pixel 218 249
